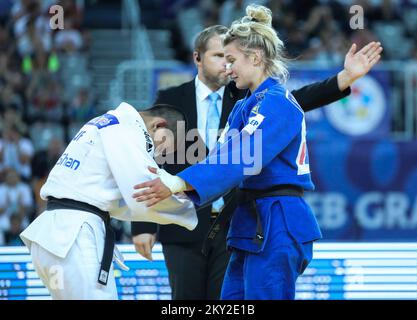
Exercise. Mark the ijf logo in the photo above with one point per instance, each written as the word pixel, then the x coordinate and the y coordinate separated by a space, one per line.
pixel 361 112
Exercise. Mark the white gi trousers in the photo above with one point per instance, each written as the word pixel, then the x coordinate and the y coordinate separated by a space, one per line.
pixel 73 276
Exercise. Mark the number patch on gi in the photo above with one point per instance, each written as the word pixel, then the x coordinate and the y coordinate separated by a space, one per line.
pixel 254 123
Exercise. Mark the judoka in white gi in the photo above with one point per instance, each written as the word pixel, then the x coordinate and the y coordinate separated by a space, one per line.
pixel 96 173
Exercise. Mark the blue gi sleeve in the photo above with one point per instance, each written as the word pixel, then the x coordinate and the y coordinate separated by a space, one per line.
pixel 265 134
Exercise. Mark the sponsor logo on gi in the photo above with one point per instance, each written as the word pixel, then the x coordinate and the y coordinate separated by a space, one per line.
pixel 68 162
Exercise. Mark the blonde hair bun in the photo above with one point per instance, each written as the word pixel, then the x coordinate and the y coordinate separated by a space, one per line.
pixel 259 14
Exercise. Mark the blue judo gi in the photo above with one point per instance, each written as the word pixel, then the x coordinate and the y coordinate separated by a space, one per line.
pixel 269 125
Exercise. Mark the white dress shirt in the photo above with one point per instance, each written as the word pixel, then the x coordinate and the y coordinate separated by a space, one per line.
pixel 203 102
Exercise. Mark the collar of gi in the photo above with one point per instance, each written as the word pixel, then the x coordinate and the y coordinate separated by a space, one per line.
pixel 261 89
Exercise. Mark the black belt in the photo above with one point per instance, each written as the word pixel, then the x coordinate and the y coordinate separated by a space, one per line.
pixel 250 195
pixel 54 203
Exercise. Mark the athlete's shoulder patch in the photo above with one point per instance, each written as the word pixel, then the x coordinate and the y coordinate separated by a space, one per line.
pixel 104 121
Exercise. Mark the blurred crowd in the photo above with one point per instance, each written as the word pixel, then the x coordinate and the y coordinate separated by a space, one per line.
pixel 39 103
pixel 315 30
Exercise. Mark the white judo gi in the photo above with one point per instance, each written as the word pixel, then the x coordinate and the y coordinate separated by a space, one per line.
pixel 107 157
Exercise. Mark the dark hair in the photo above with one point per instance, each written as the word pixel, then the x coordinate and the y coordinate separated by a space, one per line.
pixel 200 43
pixel 170 113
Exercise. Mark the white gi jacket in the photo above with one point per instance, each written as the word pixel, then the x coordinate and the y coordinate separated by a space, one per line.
pixel 107 157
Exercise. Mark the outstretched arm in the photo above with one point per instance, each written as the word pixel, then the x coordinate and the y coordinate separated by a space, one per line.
pixel 356 65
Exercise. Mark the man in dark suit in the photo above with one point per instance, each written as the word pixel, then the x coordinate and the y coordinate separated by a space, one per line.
pixel 193 275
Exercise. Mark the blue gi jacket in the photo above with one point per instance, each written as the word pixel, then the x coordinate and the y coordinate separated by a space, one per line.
pixel 264 144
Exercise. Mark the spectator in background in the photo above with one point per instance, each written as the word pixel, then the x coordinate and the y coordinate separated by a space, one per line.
pixel 12 115
pixel 44 160
pixel 32 30
pixel 82 107
pixel 16 151
pixel 414 53
pixel 11 84
pixel 5 41
pixel 73 12
pixel 44 97
pixel 5 7
pixel 386 11
pixel 42 163
pixel 230 11
pixel 9 98
pixel 15 200
pixel 11 236
pixel 329 49
pixel 69 39
pixel 362 37
pixel 9 72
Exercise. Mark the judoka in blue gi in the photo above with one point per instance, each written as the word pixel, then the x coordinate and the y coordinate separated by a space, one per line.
pixel 273 229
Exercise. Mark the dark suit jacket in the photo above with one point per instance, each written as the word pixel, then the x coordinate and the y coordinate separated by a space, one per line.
pixel 184 97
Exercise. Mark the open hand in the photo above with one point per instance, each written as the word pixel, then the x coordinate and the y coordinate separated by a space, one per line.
pixel 156 191
pixel 357 64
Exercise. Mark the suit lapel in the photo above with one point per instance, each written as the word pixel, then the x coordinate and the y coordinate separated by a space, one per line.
pixel 190 104
pixel 228 103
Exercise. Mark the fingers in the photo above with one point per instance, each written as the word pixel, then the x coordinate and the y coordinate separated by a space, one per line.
pixel 366 48
pixel 140 249
pixel 147 251
pixel 144 248
pixel 374 54
pixel 146 184
pixel 352 50
pixel 145 198
pixel 144 251
pixel 152 202
pixel 151 197
pixel 153 170
pixel 146 194
pixel 143 193
pixel 374 61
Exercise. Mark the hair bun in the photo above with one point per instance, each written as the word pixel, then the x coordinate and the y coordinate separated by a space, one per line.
pixel 260 14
